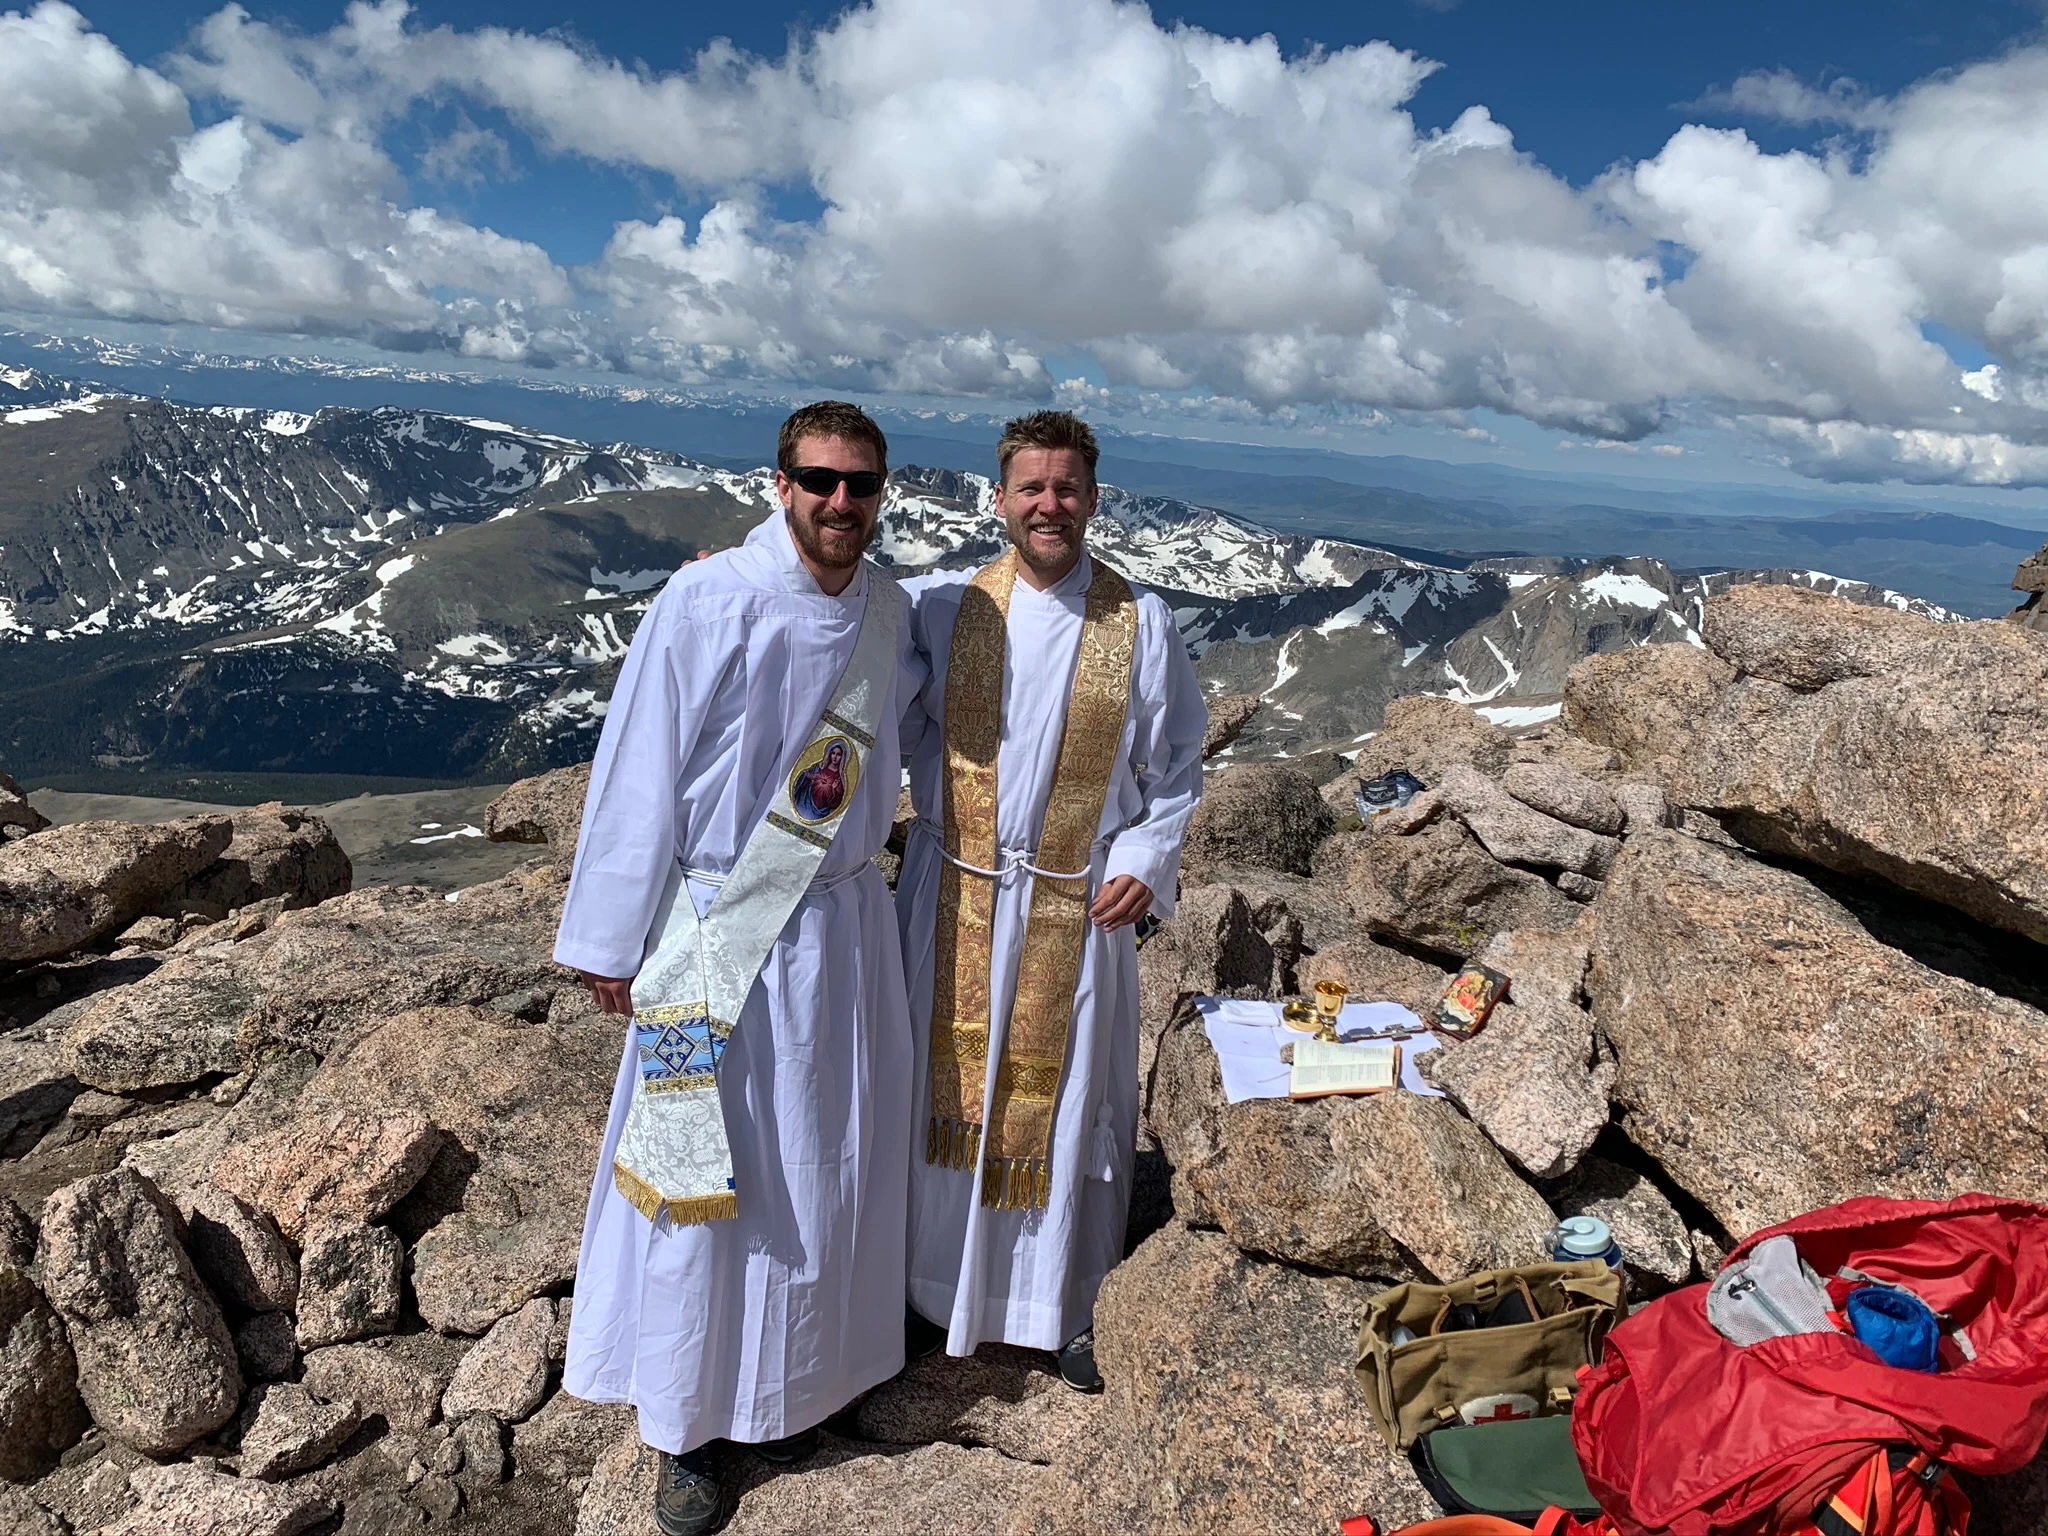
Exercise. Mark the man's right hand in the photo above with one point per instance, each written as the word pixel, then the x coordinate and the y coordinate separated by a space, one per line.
pixel 614 994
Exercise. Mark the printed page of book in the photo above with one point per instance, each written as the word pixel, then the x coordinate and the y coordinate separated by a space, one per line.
pixel 1248 1037
pixel 1324 1067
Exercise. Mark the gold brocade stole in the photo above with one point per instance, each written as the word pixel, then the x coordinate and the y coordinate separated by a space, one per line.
pixel 1019 1132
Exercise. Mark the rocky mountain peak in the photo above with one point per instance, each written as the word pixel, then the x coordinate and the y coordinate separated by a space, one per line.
pixel 332 1142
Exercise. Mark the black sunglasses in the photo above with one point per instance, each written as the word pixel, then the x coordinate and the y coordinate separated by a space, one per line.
pixel 860 483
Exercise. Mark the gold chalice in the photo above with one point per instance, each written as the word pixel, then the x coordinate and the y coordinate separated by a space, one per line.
pixel 1329 1003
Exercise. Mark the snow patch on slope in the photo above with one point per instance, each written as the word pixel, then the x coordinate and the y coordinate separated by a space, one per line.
pixel 1622 591
pixel 85 405
pixel 1514 716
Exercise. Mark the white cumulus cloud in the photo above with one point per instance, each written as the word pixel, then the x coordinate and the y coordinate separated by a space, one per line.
pixel 1220 228
pixel 113 203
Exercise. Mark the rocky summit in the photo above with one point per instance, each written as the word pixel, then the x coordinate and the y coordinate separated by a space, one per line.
pixel 291 1176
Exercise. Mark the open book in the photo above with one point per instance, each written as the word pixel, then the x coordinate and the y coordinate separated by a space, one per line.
pixel 1323 1067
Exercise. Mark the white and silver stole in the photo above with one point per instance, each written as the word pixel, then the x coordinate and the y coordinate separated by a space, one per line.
pixel 673 1157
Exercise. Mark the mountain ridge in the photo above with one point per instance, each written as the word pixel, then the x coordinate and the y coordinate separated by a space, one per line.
pixel 1467 508
pixel 406 592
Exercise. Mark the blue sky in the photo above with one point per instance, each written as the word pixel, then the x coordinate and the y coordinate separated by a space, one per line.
pixel 1804 240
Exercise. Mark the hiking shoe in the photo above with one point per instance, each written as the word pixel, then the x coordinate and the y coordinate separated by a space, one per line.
pixel 1077 1362
pixel 687 1499
pixel 921 1336
pixel 790 1449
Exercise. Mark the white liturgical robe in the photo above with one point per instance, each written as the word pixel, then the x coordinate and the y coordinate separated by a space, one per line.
pixel 761 1326
pixel 1029 1277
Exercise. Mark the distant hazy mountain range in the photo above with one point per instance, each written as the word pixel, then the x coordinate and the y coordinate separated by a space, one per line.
pixel 403 592
pixel 1449 513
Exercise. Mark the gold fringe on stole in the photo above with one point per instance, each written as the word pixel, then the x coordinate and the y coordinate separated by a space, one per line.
pixel 1016 1183
pixel 690 1211
pixel 1056 923
pixel 952 1143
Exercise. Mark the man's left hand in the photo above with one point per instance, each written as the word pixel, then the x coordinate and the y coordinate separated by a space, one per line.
pixel 1121 903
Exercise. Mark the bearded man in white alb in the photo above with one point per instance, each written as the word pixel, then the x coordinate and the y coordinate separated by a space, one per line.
pixel 1053 788
pixel 741 1276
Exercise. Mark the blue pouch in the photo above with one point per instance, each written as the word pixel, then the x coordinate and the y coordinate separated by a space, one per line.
pixel 1898 1326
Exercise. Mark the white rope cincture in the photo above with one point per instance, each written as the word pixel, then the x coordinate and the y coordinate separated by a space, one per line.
pixel 1014 859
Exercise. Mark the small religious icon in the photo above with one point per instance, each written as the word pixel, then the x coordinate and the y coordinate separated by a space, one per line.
pixel 1467 1001
pixel 824 778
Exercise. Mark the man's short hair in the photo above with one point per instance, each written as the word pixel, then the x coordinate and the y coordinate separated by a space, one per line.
pixel 829 418
pixel 1046 429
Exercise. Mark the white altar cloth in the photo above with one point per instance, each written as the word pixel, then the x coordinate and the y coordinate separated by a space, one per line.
pixel 1247 1036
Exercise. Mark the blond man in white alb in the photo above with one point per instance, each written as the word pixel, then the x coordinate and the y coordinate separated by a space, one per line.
pixel 1053 786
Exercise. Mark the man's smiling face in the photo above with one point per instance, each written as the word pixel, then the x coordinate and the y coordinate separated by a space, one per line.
pixel 831 530
pixel 1045 501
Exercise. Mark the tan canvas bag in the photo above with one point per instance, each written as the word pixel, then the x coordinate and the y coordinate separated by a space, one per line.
pixel 1479 1374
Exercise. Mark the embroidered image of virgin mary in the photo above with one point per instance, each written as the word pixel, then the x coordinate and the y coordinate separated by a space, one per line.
pixel 823 780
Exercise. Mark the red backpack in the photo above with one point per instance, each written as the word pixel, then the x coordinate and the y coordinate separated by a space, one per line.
pixel 1681 1433
pixel 1892 1494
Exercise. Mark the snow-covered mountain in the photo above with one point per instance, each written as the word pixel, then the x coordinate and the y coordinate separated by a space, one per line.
pixel 1499 635
pixel 22 387
pixel 404 592
pixel 118 512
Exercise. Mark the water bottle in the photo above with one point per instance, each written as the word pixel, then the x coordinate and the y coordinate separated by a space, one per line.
pixel 1584 1237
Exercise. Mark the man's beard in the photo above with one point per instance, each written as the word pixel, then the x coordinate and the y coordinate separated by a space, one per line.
pixel 829 548
pixel 1039 560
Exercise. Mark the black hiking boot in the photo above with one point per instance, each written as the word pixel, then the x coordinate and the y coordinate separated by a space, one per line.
pixel 790 1449
pixel 921 1336
pixel 1077 1362
pixel 687 1499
